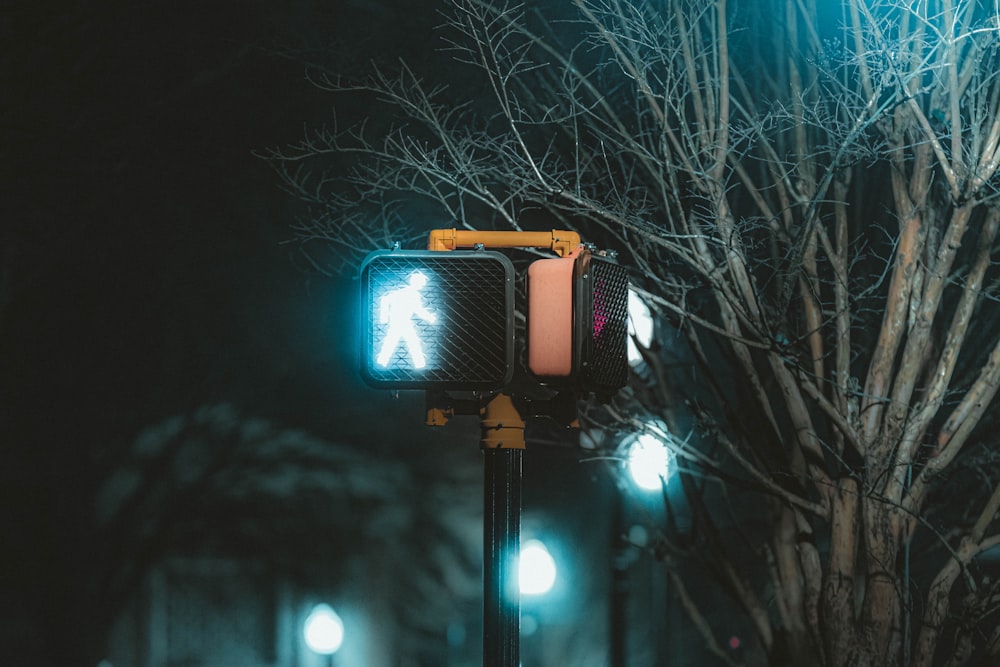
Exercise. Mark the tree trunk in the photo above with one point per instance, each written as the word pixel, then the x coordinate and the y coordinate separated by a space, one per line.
pixel 880 612
pixel 837 616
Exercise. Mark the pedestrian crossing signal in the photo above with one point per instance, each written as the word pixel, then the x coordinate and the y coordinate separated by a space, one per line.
pixel 437 319
pixel 578 322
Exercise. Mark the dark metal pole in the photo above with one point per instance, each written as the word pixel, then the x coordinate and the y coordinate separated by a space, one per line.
pixel 501 544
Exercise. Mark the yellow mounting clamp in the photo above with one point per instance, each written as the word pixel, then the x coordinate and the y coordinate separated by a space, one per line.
pixel 560 241
pixel 438 416
pixel 501 424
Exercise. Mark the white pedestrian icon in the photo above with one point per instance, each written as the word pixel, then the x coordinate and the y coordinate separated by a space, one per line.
pixel 400 309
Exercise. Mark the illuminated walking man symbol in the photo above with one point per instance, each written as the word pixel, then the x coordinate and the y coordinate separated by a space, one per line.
pixel 400 309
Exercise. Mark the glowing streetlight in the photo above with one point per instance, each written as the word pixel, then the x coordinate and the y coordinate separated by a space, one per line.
pixel 640 327
pixel 648 462
pixel 323 630
pixel 536 569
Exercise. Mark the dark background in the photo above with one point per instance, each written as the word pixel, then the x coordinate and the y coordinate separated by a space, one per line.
pixel 144 267
pixel 148 266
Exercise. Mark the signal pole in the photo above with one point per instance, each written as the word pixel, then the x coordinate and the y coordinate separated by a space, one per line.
pixel 428 325
pixel 503 448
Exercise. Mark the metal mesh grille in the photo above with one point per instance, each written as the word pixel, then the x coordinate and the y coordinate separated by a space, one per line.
pixel 467 341
pixel 608 362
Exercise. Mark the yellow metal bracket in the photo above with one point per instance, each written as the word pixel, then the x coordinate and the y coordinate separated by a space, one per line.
pixel 501 423
pixel 438 416
pixel 561 242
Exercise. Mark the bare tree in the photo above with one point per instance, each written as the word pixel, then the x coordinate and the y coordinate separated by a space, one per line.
pixel 808 192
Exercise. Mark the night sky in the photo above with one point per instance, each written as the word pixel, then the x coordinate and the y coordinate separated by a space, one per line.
pixel 146 262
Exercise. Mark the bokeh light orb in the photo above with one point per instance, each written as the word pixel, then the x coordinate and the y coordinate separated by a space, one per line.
pixel 536 569
pixel 648 462
pixel 323 630
pixel 640 327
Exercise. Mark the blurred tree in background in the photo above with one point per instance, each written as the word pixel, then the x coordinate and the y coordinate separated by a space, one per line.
pixel 218 484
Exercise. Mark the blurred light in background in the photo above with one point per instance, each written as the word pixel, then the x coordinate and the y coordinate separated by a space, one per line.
pixel 648 462
pixel 640 327
pixel 536 569
pixel 323 630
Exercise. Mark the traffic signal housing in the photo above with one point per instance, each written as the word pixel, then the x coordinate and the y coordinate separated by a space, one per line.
pixel 578 321
pixel 441 320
